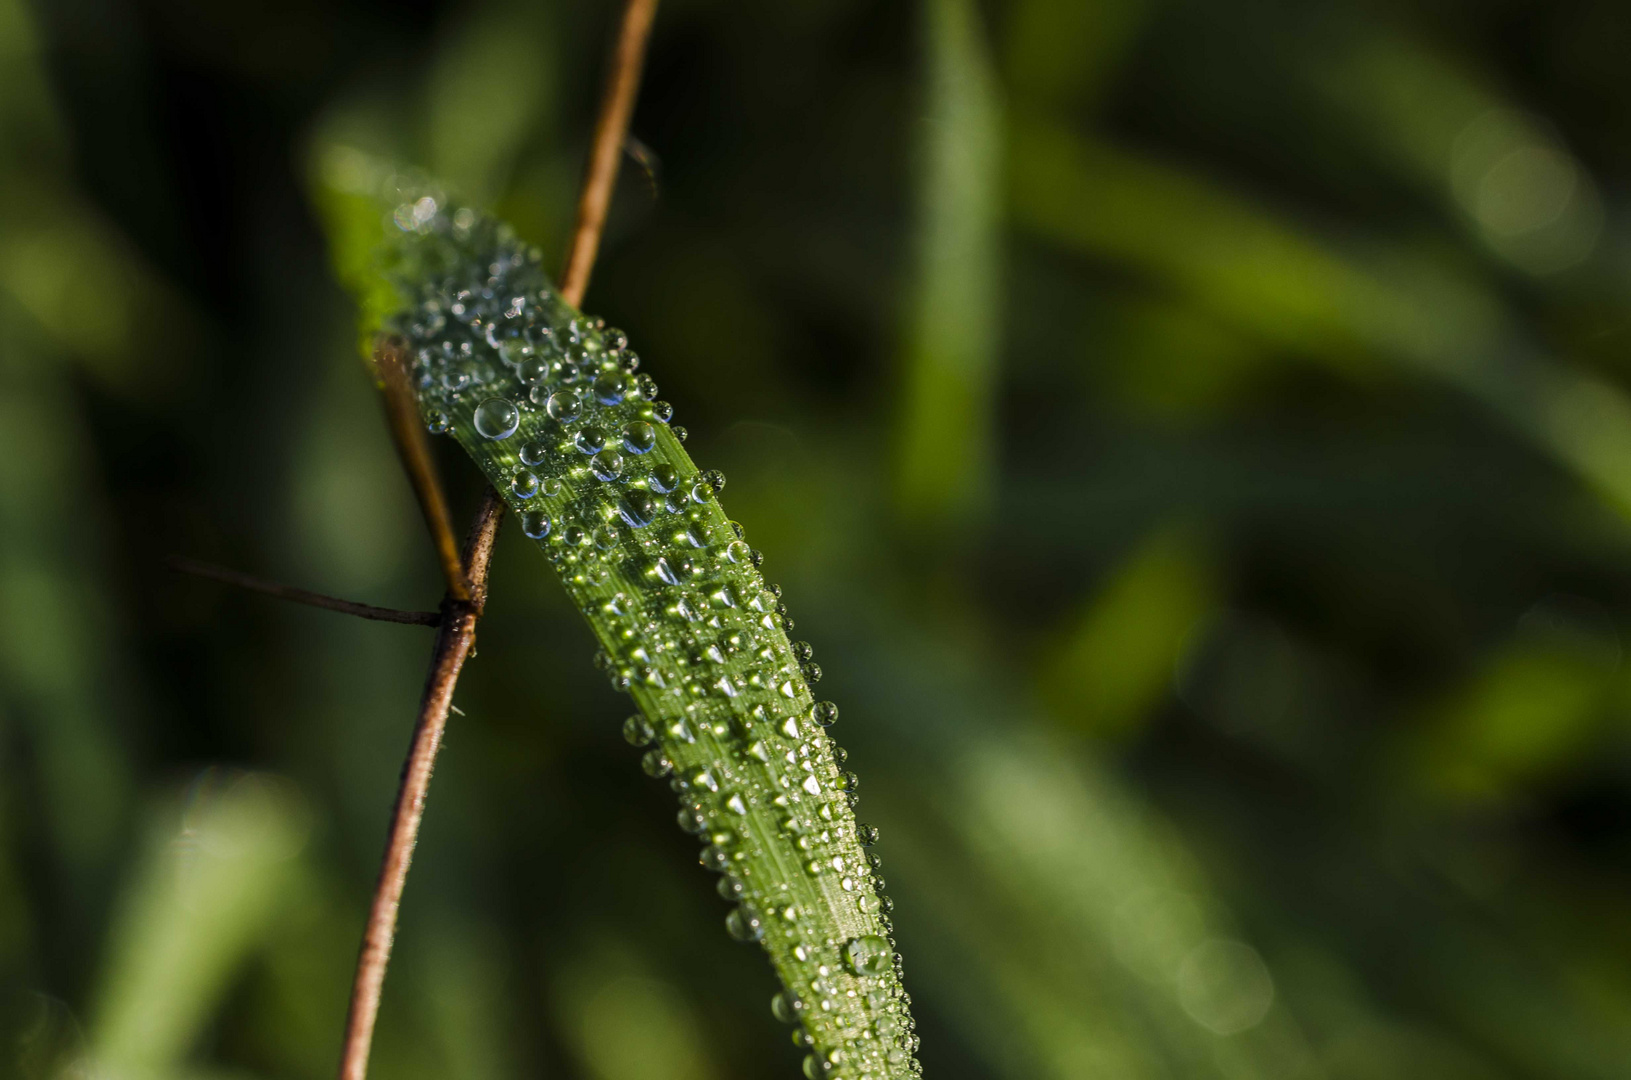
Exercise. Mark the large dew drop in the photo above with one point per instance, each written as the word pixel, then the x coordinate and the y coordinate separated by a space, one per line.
pixel 867 955
pixel 497 418
pixel 563 405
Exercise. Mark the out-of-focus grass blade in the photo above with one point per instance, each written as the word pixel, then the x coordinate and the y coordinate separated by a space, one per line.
pixel 60 261
pixel 1117 662
pixel 1507 174
pixel 1078 905
pixel 1293 292
pixel 490 90
pixel 203 896
pixel 944 467
pixel 1063 53
pixel 624 1023
pixel 1083 939
pixel 1534 706
pixel 53 648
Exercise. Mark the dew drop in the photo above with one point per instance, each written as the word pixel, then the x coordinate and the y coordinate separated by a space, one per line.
pixel 639 437
pixel 525 484
pixel 534 452
pixel 737 552
pixel 745 924
pixel 656 763
pixel 533 369
pixel 637 509
pixel 497 418
pixel 868 954
pixel 786 1007
pixel 824 713
pixel 590 440
pixel 612 388
pixel 438 423
pixel 535 525
pixel 563 405
pixel 664 478
pixel 606 465
pixel 638 732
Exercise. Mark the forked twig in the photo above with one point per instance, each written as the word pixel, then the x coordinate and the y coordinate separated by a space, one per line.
pixel 606 152
pixel 458 629
pixel 301 596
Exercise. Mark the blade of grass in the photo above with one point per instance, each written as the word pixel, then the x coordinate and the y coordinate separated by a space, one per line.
pixel 202 897
pixel 1287 288
pixel 945 452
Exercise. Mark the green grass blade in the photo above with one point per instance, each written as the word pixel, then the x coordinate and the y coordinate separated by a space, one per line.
pixel 203 897
pixel 1267 278
pixel 946 438
pixel 547 402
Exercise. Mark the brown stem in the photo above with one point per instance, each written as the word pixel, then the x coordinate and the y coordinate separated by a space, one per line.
pixel 606 152
pixel 458 629
pixel 402 415
pixel 453 644
pixel 301 596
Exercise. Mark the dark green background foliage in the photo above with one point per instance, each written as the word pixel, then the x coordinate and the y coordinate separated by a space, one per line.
pixel 1190 433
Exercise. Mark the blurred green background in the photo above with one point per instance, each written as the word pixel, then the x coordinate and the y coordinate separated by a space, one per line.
pixel 1195 436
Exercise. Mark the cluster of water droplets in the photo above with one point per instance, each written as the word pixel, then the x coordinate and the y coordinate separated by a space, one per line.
pixel 553 407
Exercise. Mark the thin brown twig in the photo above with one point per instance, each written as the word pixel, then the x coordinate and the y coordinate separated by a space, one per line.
pixel 402 416
pixel 458 629
pixel 301 596
pixel 606 152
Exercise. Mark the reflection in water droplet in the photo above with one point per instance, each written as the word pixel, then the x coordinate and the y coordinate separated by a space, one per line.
pixel 867 955
pixel 745 924
pixel 535 525
pixel 664 478
pixel 590 439
pixel 611 389
pixel 497 418
pixel 638 732
pixel 639 437
pixel 638 508
pixel 563 405
pixel 786 1007
pixel 525 484
pixel 606 465
pixel 534 452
